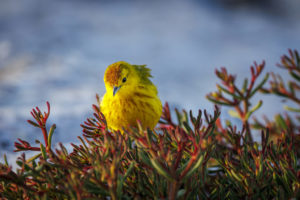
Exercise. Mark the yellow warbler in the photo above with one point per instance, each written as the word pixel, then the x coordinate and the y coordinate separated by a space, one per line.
pixel 130 96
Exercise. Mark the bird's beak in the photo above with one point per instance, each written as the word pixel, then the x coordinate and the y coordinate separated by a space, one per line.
pixel 116 89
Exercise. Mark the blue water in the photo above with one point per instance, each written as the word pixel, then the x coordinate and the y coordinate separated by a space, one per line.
pixel 57 51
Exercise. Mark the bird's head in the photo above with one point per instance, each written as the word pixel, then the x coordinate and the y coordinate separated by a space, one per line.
pixel 121 77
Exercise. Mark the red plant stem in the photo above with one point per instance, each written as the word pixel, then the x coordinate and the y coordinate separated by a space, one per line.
pixel 34 148
pixel 245 121
pixel 248 131
pixel 208 129
pixel 173 190
pixel 240 112
pixel 178 159
pixel 189 165
pixel 226 100
pixel 78 194
pixel 44 130
pixel 237 90
pixel 250 86
pixel 26 148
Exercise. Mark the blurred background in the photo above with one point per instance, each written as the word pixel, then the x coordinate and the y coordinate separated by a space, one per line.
pixel 58 50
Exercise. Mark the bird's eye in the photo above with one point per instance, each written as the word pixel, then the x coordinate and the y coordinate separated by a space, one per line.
pixel 124 80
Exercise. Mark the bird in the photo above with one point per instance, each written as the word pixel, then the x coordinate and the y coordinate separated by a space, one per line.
pixel 130 97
